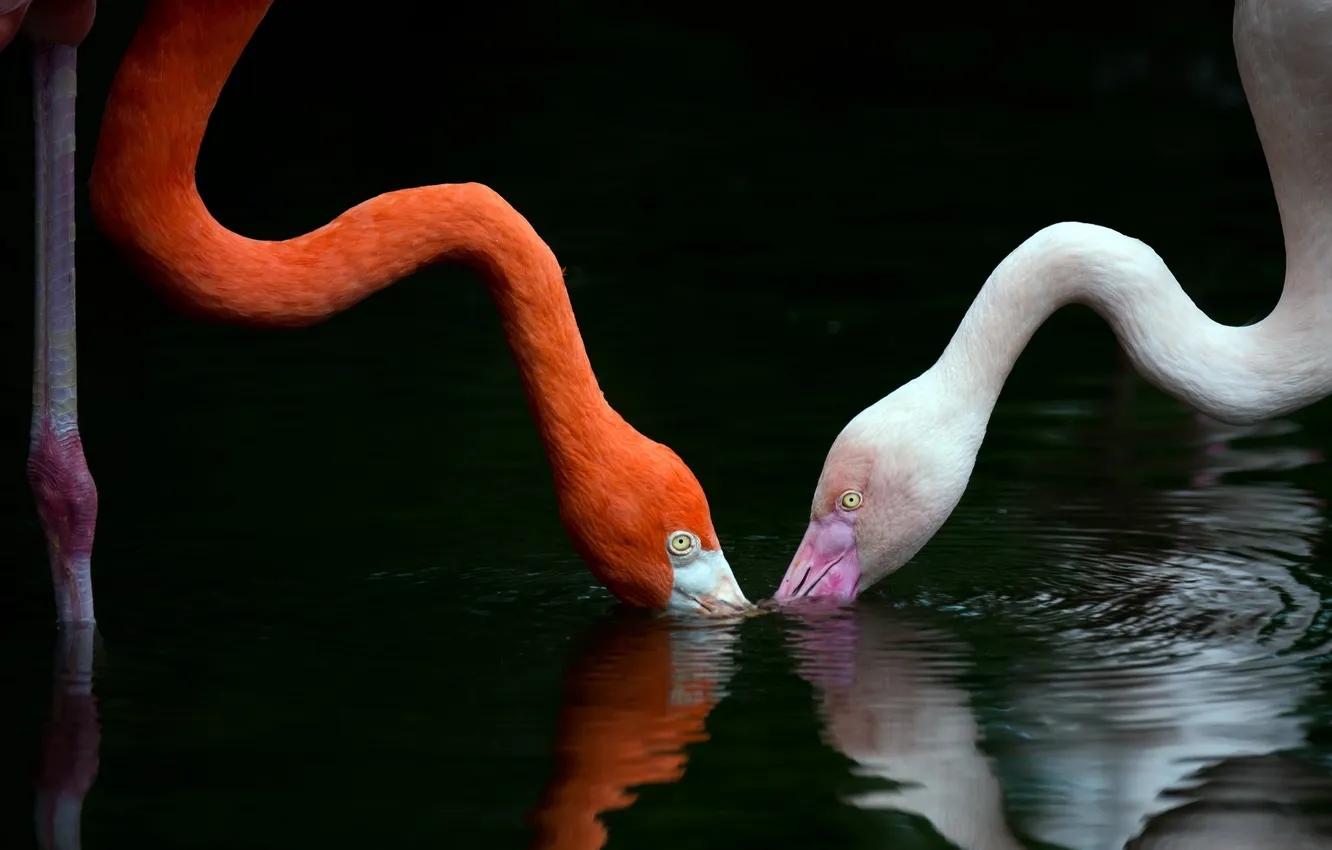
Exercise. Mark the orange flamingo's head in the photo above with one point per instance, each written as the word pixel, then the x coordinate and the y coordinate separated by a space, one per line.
pixel 638 517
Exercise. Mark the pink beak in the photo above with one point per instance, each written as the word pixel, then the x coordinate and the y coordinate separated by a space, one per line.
pixel 826 564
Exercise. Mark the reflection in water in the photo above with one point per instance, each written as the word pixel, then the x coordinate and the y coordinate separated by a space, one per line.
pixel 1161 713
pixel 1222 813
pixel 890 702
pixel 1170 659
pixel 70 742
pixel 638 693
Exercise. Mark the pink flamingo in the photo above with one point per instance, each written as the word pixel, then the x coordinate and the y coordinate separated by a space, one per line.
pixel 897 470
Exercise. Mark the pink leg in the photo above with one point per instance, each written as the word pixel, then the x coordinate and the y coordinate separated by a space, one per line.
pixel 64 490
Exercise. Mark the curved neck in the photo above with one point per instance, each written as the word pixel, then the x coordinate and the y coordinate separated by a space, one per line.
pixel 1236 374
pixel 145 199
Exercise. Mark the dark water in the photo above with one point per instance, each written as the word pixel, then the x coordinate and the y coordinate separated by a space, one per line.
pixel 337 606
pixel 1126 616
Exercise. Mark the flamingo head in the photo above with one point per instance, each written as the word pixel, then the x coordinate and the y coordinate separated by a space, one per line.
pixel 891 479
pixel 639 519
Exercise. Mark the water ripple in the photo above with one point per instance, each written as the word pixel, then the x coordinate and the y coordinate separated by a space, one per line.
pixel 1149 652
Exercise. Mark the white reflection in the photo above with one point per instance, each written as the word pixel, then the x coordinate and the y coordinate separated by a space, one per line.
pixel 1190 660
pixel 1163 709
pixel 889 701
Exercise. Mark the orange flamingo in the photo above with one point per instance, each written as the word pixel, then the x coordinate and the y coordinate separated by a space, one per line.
pixel 636 697
pixel 57 470
pixel 633 510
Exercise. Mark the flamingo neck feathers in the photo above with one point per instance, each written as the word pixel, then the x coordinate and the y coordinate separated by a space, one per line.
pixel 145 199
pixel 1236 374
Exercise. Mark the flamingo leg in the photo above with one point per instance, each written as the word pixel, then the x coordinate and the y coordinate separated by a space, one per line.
pixel 71 742
pixel 57 470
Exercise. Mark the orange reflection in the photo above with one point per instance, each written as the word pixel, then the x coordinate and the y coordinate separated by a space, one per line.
pixel 638 693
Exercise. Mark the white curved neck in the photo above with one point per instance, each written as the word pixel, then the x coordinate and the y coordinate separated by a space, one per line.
pixel 1236 374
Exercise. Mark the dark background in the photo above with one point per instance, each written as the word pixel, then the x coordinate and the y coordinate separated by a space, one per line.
pixel 770 219
pixel 769 173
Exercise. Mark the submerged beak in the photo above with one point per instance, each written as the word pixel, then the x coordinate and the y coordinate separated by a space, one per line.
pixel 826 564
pixel 706 585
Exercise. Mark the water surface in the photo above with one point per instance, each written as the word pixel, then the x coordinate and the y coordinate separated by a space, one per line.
pixel 1093 644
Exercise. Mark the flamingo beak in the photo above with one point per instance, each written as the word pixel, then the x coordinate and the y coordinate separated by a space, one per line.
pixel 706 585
pixel 827 564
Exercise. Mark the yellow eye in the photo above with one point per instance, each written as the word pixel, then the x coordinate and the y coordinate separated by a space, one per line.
pixel 681 542
pixel 850 500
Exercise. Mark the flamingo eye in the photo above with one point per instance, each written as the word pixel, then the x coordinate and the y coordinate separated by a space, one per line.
pixel 681 543
pixel 850 500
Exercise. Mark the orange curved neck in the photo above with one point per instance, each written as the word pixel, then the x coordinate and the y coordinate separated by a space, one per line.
pixel 144 198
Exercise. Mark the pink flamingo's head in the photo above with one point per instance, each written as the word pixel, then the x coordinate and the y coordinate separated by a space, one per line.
pixel 890 480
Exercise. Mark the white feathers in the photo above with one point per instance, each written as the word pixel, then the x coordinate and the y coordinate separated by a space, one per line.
pixel 912 452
